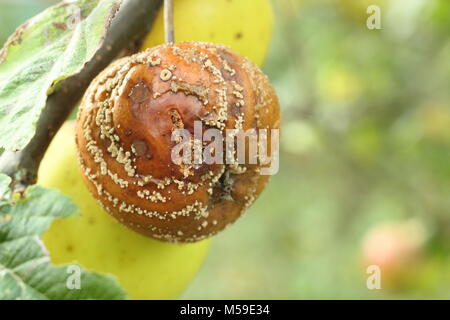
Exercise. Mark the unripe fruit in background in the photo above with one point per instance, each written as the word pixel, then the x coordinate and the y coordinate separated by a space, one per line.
pixel 357 10
pixel 125 132
pixel 243 25
pixel 397 249
pixel 146 268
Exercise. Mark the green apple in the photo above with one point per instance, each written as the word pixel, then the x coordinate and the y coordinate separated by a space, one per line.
pixel 243 25
pixel 146 268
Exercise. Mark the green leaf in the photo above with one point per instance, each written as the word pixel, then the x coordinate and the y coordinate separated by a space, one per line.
pixel 25 268
pixel 50 47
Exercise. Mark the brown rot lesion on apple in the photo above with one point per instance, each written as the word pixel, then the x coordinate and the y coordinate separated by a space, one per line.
pixel 145 99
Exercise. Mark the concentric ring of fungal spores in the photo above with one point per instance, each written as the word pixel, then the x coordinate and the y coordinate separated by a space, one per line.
pixel 124 131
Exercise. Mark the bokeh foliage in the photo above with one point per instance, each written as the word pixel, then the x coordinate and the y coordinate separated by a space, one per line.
pixel 365 142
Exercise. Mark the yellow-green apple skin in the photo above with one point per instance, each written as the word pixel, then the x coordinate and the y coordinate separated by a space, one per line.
pixel 146 268
pixel 243 25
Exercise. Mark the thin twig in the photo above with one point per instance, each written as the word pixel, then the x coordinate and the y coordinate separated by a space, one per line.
pixel 132 22
pixel 168 21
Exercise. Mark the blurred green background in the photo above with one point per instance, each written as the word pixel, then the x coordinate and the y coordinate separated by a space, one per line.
pixel 365 157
